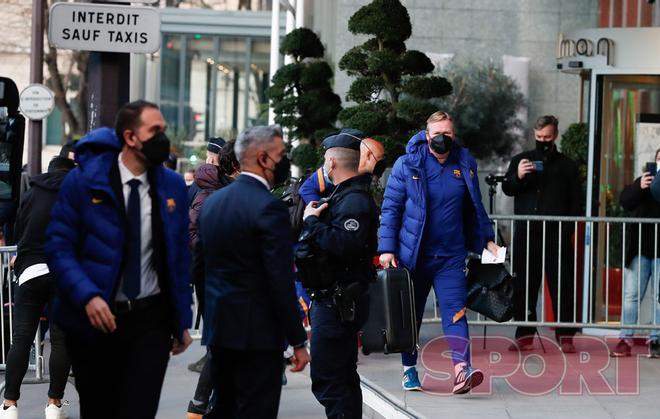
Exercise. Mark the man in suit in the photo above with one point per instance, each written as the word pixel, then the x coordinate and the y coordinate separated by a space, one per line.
pixel 251 303
pixel 117 245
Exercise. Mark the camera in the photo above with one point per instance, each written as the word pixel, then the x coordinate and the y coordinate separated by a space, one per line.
pixel 493 179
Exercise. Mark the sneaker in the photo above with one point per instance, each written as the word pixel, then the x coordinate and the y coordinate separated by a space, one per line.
pixel 10 412
pixel 654 349
pixel 53 411
pixel 197 366
pixel 411 380
pixel 522 344
pixel 621 349
pixel 467 379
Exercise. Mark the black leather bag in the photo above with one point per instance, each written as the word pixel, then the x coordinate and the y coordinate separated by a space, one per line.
pixel 490 290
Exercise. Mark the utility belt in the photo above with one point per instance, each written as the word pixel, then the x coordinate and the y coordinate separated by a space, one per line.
pixel 343 297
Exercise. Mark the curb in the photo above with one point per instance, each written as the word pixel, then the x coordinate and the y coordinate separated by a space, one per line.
pixel 384 404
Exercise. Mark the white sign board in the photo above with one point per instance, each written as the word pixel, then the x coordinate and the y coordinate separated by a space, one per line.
pixel 128 1
pixel 109 28
pixel 36 102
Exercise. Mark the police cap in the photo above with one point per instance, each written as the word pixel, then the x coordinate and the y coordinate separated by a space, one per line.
pixel 215 144
pixel 346 138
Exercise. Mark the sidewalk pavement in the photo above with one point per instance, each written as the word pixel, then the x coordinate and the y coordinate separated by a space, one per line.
pixel 503 402
pixel 297 401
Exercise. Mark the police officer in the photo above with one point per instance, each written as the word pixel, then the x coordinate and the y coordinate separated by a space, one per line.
pixel 340 233
pixel 372 160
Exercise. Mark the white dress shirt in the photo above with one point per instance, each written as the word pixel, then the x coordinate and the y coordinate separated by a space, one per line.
pixel 259 178
pixel 148 278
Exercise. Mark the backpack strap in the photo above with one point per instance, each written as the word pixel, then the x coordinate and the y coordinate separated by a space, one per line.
pixel 321 179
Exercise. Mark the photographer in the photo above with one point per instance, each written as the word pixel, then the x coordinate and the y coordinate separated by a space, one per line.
pixel 641 261
pixel 543 181
pixel 335 264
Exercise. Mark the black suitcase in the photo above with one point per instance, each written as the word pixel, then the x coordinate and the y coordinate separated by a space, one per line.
pixel 391 325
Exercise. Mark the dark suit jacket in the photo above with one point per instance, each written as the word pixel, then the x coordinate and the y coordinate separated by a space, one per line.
pixel 250 292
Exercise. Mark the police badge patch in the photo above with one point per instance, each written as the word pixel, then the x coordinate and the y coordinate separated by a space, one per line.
pixel 351 224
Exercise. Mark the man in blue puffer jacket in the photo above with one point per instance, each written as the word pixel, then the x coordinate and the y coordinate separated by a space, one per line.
pixel 432 215
pixel 117 245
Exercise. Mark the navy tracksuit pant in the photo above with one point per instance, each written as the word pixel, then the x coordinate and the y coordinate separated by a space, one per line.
pixel 447 277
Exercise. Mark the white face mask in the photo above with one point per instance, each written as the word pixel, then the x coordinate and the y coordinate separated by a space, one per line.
pixel 325 175
pixel 326 170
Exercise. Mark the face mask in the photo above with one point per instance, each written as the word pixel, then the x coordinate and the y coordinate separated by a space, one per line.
pixel 156 149
pixel 281 171
pixel 379 168
pixel 442 144
pixel 326 171
pixel 326 178
pixel 544 146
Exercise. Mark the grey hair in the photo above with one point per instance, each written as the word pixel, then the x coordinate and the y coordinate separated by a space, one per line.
pixel 258 136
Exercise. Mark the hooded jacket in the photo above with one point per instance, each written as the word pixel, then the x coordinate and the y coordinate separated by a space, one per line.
pixel 208 180
pixel 85 237
pixel 33 217
pixel 404 211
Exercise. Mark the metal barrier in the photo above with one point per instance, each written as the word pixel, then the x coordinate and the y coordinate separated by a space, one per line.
pixel 596 251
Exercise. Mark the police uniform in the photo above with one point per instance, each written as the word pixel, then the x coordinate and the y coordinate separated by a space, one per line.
pixel 345 234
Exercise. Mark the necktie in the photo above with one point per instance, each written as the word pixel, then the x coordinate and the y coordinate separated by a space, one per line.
pixel 133 262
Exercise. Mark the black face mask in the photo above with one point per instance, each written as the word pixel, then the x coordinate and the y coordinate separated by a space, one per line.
pixel 379 168
pixel 442 144
pixel 544 146
pixel 156 149
pixel 281 171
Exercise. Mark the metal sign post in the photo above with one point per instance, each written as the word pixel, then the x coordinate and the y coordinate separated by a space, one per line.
pixel 36 76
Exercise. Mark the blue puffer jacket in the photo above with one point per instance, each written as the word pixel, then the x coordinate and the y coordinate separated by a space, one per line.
pixel 85 237
pixel 404 206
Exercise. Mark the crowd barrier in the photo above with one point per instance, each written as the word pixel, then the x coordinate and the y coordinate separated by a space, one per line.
pixel 594 248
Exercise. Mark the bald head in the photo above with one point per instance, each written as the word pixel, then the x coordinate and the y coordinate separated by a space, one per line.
pixel 371 152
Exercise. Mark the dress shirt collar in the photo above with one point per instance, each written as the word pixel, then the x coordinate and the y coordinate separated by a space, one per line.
pixel 259 178
pixel 125 174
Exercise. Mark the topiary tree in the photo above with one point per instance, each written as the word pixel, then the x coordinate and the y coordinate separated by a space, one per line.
pixel 303 100
pixel 485 107
pixel 575 144
pixel 392 85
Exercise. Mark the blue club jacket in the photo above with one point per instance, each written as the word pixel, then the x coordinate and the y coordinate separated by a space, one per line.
pixel 404 206
pixel 85 236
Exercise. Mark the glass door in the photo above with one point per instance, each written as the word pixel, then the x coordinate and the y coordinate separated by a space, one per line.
pixel 628 101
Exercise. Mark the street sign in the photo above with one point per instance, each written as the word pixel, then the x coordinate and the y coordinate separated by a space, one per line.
pixel 109 28
pixel 128 1
pixel 36 102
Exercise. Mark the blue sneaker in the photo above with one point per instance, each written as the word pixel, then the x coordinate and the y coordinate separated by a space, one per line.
pixel 467 379
pixel 411 380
